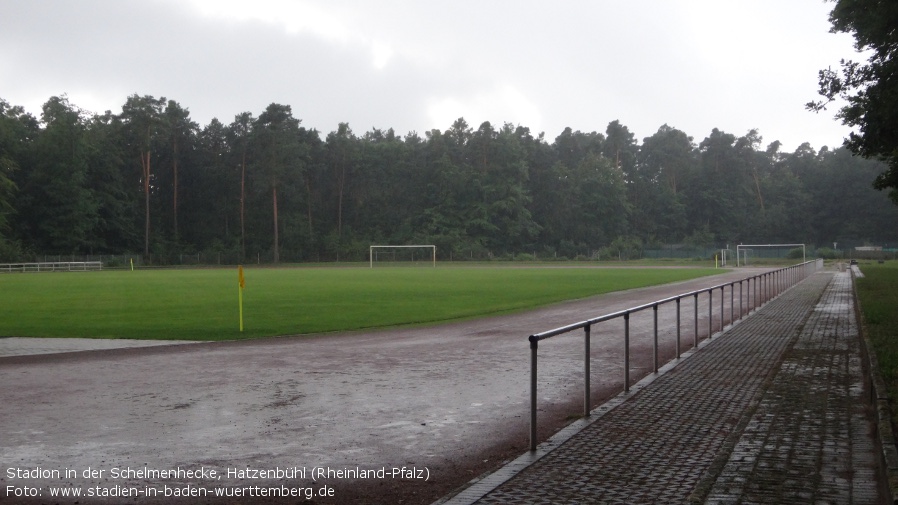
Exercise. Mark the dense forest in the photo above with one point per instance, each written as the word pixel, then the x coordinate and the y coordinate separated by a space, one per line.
pixel 151 181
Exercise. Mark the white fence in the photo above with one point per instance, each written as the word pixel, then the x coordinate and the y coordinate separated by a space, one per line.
pixel 52 266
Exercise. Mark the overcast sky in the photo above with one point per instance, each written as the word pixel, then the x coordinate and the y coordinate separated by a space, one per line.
pixel 418 65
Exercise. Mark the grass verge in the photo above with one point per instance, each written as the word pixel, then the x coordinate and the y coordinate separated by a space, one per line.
pixel 877 292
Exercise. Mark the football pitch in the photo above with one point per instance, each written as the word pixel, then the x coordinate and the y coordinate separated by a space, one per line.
pixel 202 304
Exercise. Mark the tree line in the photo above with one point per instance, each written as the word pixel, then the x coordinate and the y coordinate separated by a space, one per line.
pixel 151 180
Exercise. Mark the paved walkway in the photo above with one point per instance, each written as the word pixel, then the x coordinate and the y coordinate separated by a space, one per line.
pixel 773 411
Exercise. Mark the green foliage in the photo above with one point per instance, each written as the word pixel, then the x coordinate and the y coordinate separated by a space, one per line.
pixel 202 304
pixel 826 253
pixel 266 189
pixel 870 89
pixel 796 253
pixel 622 248
pixel 16 128
pixel 11 251
pixel 700 239
pixel 57 204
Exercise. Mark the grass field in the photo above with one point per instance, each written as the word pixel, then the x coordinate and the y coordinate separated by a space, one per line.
pixel 878 295
pixel 202 304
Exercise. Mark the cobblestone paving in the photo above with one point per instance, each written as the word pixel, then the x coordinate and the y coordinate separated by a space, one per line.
pixel 808 441
pixel 670 442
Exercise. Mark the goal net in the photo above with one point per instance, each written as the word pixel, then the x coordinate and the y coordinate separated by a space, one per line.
pixel 748 253
pixel 403 255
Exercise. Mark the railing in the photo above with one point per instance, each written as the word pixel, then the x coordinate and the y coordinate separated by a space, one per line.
pixel 759 289
pixel 52 266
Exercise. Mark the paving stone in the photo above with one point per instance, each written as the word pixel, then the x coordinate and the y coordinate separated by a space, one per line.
pixel 771 412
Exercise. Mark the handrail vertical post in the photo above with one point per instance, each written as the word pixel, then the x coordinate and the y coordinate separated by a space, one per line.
pixel 740 300
pixel 756 278
pixel 678 327
pixel 534 344
pixel 710 313
pixel 721 309
pixel 655 346
pixel 748 297
pixel 626 351
pixel 695 324
pixel 586 331
pixel 732 304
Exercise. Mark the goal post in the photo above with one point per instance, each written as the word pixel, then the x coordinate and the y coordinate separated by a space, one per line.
pixel 372 251
pixel 742 251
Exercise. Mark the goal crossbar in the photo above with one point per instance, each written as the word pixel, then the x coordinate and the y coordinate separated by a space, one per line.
pixel 742 247
pixel 371 249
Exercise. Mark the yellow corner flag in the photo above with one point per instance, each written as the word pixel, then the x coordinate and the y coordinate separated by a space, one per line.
pixel 241 282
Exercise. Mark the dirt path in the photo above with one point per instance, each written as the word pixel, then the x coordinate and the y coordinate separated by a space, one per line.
pixel 451 400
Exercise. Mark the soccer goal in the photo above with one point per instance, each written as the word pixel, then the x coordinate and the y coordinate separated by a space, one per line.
pixel 402 254
pixel 744 252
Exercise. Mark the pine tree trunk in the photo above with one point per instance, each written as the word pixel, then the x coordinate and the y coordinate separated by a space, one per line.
pixel 274 199
pixel 309 206
pixel 242 203
pixel 145 162
pixel 175 176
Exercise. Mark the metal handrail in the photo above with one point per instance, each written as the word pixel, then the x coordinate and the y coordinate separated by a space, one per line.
pixel 772 284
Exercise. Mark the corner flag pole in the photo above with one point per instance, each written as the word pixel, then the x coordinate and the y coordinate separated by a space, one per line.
pixel 241 283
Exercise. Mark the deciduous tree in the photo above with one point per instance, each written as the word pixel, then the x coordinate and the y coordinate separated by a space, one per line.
pixel 871 88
